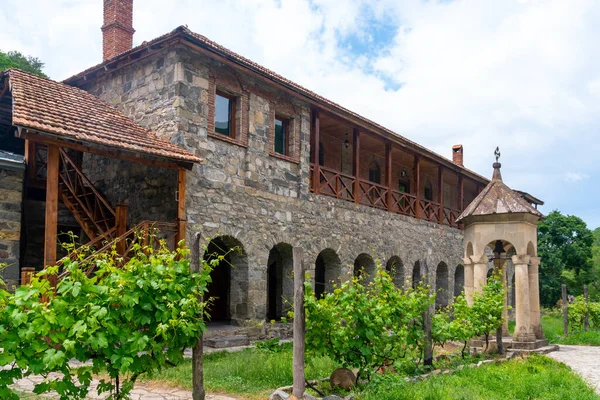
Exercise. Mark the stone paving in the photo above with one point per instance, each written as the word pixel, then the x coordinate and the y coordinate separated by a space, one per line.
pixel 585 360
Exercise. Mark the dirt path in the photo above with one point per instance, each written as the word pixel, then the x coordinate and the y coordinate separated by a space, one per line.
pixel 585 360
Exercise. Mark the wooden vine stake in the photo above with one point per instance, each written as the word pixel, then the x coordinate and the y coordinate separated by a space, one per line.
pixel 299 325
pixel 198 392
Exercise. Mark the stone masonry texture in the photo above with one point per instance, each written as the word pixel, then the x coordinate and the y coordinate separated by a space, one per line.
pixel 241 190
pixel 11 192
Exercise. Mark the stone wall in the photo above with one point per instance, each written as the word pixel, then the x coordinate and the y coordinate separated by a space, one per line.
pixel 11 194
pixel 254 200
pixel 146 93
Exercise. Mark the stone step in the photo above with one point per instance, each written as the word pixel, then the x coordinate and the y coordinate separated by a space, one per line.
pixel 227 341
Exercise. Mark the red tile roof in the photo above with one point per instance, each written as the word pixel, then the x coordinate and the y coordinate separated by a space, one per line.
pixel 73 114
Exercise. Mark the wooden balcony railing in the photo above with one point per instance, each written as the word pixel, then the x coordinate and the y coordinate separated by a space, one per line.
pixel 335 184
pixel 342 186
pixel 403 203
pixel 372 194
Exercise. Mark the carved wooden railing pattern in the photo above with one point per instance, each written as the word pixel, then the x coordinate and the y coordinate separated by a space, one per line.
pixel 336 184
pixel 372 194
pixel 450 216
pixel 403 203
pixel 430 210
pixel 89 207
pixel 146 233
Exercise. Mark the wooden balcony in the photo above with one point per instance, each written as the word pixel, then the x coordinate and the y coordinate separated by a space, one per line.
pixel 347 187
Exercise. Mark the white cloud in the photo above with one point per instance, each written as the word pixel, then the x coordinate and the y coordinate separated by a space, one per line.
pixel 574 177
pixel 521 74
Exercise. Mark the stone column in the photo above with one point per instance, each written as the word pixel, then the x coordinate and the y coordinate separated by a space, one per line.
pixel 479 273
pixel 523 331
pixel 468 280
pixel 500 265
pixel 534 298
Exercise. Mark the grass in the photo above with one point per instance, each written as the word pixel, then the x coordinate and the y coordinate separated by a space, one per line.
pixel 552 324
pixel 535 377
pixel 250 373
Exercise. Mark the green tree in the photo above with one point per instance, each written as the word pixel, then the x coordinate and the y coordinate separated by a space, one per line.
pixel 14 59
pixel 565 245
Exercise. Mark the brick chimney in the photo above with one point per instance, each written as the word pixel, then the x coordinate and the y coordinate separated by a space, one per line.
pixel 457 154
pixel 117 31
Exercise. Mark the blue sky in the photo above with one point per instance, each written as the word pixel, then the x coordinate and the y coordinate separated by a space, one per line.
pixel 520 74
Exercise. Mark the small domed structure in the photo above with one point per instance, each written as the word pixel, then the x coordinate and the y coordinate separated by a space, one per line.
pixel 501 219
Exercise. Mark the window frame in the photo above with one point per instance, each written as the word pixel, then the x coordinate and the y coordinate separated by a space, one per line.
pixel 233 100
pixel 287 125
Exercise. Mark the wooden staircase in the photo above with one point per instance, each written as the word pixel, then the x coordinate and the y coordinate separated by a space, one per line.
pixel 91 210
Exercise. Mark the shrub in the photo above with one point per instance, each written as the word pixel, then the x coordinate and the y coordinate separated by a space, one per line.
pixel 126 321
pixel 366 326
pixel 577 310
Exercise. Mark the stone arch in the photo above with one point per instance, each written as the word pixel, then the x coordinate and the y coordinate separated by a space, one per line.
pixel 328 269
pixel 441 285
pixel 417 274
pixel 229 286
pixel 531 249
pixel 469 250
pixel 280 282
pixel 459 280
pixel 395 267
pixel 364 265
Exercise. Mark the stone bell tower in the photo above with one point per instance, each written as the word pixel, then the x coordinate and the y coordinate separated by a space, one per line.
pixel 499 218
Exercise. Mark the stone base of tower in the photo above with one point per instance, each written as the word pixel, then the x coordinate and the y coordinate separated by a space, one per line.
pixel 537 346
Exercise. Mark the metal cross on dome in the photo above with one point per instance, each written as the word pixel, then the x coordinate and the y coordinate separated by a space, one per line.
pixel 497 153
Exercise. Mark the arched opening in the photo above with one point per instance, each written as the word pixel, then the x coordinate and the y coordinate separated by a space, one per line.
pixel 530 249
pixel 229 286
pixel 490 273
pixel 441 285
pixel 417 275
pixel 328 269
pixel 395 268
pixel 469 251
pixel 459 280
pixel 364 266
pixel 375 172
pixel 428 191
pixel 280 283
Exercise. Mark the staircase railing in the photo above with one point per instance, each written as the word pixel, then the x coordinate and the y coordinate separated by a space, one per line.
pixel 89 207
pixel 146 234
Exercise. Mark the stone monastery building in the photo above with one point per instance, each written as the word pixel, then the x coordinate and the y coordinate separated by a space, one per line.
pixel 185 135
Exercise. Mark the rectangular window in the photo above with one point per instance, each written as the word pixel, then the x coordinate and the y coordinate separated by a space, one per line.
pixel 282 127
pixel 225 114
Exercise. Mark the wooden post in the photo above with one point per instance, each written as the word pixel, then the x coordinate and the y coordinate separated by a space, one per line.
pixel 388 175
pixel 299 324
pixel 26 274
pixel 51 225
pixel 586 321
pixel 441 194
pixel 181 217
pixel 316 172
pixel 198 392
pixel 121 227
pixel 356 164
pixel 565 311
pixel 418 185
pixel 461 193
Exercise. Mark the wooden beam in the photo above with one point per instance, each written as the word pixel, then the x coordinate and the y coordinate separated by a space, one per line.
pixel 51 222
pixel 316 152
pixel 121 227
pixel 117 154
pixel 298 375
pixel 417 173
pixel 461 193
pixel 388 174
pixel 441 194
pixel 181 215
pixel 356 163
